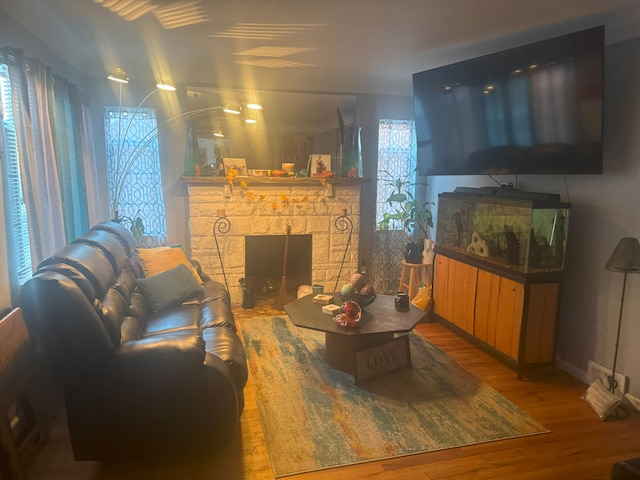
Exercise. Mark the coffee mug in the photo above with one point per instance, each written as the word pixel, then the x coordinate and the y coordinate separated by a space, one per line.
pixel 402 300
pixel 317 289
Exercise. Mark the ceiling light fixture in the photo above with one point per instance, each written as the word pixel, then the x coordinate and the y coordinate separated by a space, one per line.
pixel 218 133
pixel 118 75
pixel 235 109
pixel 254 106
pixel 250 120
pixel 169 87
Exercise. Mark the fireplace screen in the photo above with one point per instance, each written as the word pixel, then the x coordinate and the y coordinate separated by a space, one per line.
pixel 264 259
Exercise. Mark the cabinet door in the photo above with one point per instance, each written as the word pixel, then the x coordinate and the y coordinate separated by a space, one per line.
pixel 499 303
pixel 440 285
pixel 541 322
pixel 454 289
pixel 487 307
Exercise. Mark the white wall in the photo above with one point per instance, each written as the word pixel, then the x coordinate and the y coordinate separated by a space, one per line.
pixel 604 209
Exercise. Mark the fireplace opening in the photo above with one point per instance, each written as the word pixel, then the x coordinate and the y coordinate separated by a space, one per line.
pixel 264 258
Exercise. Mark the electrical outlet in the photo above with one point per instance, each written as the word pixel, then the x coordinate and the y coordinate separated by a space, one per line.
pixel 596 370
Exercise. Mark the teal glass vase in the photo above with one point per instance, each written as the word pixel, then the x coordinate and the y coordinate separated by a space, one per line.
pixel 351 165
pixel 191 156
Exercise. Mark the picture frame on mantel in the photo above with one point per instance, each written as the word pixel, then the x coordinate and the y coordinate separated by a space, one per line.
pixel 240 164
pixel 319 164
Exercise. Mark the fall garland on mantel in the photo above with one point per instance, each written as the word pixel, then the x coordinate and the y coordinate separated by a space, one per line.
pixel 284 200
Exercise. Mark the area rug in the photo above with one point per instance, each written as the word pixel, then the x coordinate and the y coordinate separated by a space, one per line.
pixel 315 417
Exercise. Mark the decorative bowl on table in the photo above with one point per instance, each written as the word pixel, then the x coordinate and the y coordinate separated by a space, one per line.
pixel 362 300
pixel 359 290
pixel 349 315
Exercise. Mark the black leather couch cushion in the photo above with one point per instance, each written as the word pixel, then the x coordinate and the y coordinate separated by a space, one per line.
pixel 90 261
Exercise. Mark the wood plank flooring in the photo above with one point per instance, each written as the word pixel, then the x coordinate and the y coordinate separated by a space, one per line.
pixel 580 446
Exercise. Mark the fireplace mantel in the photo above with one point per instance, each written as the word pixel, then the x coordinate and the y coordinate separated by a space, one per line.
pixel 272 181
pixel 265 206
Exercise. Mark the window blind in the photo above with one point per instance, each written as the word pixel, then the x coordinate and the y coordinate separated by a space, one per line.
pixel 15 209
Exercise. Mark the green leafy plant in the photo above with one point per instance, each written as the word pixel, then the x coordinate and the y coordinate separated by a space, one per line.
pixel 134 224
pixel 414 218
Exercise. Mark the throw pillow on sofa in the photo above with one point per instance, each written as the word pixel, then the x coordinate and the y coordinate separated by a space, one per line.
pixel 169 288
pixel 161 259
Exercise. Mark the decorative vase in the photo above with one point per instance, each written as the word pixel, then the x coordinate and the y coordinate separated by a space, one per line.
pixel 413 252
pixel 427 253
pixel 192 156
pixel 351 165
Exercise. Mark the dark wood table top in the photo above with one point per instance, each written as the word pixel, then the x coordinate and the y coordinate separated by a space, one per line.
pixel 379 317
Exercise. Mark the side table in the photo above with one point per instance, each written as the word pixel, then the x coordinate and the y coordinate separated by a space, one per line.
pixel 17 389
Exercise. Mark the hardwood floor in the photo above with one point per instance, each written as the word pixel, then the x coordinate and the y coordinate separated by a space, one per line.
pixel 580 446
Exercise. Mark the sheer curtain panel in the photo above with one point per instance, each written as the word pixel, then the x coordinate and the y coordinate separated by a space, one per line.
pixel 54 151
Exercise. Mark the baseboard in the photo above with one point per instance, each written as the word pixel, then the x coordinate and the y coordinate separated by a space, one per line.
pixel 574 371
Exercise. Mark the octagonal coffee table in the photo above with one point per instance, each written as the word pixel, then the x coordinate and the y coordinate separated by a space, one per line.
pixel 379 324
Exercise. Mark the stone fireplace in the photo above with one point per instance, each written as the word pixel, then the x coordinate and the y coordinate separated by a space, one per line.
pixel 260 207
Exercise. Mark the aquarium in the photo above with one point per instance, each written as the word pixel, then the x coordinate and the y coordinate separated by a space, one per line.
pixel 521 231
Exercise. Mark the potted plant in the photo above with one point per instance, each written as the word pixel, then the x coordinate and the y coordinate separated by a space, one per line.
pixel 412 217
pixel 134 224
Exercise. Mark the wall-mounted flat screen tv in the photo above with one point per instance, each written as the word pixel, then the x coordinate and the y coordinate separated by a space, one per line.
pixel 533 109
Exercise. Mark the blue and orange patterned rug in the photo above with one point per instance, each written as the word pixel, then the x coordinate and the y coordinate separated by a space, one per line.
pixel 315 417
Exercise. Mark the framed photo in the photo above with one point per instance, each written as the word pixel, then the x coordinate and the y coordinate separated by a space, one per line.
pixel 240 164
pixel 319 164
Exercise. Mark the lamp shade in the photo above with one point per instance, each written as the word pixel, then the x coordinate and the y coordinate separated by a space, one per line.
pixel 625 257
pixel 168 86
pixel 118 75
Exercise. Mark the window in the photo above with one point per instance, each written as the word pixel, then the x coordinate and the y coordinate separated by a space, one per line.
pixel 16 212
pixel 397 156
pixel 135 184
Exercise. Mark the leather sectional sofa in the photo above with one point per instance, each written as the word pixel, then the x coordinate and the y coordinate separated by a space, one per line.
pixel 137 382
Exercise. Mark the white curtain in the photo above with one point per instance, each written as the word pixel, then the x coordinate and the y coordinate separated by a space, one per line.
pixel 54 151
pixel 94 202
pixel 39 171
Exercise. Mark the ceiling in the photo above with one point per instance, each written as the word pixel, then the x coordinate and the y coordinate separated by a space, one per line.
pixel 307 47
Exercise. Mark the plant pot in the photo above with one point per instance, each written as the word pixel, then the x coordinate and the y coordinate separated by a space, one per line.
pixel 413 252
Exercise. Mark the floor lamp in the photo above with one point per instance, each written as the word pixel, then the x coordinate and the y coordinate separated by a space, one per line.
pixel 624 259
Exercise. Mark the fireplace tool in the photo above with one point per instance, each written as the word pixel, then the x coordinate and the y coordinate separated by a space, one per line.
pixel 343 223
pixel 221 225
pixel 281 296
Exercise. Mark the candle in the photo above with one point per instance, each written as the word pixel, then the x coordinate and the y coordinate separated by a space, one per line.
pixel 343 212
pixel 221 212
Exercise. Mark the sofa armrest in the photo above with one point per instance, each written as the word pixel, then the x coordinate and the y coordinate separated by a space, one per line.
pixel 198 267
